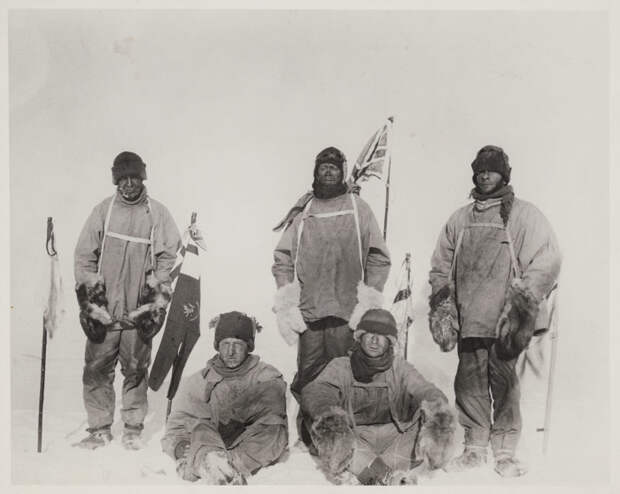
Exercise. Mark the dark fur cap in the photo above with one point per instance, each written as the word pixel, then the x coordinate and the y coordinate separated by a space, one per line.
pixel 235 325
pixel 379 321
pixel 128 164
pixel 493 159
pixel 331 155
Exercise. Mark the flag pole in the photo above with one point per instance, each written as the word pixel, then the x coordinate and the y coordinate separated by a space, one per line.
pixel 408 268
pixel 554 351
pixel 51 251
pixel 169 407
pixel 387 189
pixel 42 387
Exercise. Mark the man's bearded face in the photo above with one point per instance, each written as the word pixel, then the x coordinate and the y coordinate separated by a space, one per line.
pixel 328 174
pixel 130 187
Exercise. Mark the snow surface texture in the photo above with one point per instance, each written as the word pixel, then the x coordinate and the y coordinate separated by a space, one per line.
pixel 65 423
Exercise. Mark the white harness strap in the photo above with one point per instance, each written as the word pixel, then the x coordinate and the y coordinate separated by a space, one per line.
pixel 329 215
pixel 127 238
pixel 306 214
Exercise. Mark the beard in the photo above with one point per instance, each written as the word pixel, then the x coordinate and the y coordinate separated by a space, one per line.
pixel 130 193
pixel 327 191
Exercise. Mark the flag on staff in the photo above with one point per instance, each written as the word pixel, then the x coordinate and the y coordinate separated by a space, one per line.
pixel 402 307
pixel 182 326
pixel 52 315
pixel 54 309
pixel 374 156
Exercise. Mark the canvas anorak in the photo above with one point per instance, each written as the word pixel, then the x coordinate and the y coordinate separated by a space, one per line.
pixel 326 257
pixel 483 269
pixel 243 414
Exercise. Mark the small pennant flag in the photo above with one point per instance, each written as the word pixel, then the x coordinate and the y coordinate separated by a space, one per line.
pixel 54 309
pixel 402 307
pixel 374 156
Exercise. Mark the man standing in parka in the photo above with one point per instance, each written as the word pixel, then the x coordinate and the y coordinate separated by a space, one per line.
pixel 229 419
pixel 374 415
pixel 330 267
pixel 495 261
pixel 123 259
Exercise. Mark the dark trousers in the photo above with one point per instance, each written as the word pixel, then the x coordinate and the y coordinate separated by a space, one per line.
pixel 323 341
pixel 486 385
pixel 98 378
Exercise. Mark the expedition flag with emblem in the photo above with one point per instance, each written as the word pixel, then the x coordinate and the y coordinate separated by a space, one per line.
pixel 182 327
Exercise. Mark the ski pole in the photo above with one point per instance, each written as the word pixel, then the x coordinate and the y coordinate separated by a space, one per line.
pixel 42 389
pixel 51 251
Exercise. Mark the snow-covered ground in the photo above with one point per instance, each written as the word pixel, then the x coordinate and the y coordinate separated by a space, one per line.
pixel 65 423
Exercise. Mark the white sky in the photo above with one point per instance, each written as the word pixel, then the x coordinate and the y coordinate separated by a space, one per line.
pixel 229 108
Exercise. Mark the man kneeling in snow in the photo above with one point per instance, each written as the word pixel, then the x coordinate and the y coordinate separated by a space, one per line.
pixel 229 419
pixel 374 417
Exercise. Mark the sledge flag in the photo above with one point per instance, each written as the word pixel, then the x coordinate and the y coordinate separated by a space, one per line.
pixel 374 156
pixel 402 307
pixel 54 309
pixel 182 326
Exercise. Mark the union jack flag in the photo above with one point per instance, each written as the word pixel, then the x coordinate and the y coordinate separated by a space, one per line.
pixel 375 154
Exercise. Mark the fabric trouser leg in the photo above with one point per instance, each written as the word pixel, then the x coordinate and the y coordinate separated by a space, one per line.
pixel 98 380
pixel 323 341
pixel 135 357
pixel 504 383
pixel 395 448
pixel 486 384
pixel 262 445
pixel 471 388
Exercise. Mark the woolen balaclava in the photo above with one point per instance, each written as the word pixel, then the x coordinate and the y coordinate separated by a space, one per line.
pixel 234 325
pixel 378 321
pixel 494 159
pixel 128 164
pixel 336 157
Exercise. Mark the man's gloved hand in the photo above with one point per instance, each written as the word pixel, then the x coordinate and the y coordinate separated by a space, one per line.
pixel 334 439
pixel 435 442
pixel 94 316
pixel 288 316
pixel 184 470
pixel 149 317
pixel 517 322
pixel 443 318
pixel 215 468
